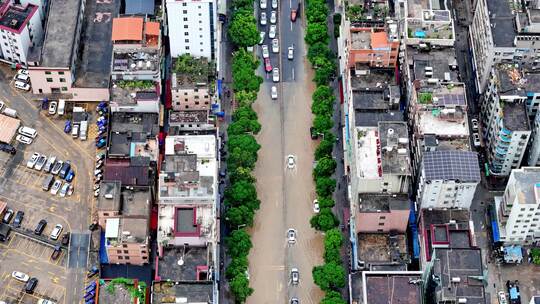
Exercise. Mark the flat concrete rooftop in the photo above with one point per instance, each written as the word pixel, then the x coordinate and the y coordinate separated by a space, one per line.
pixel 195 258
pixel 392 288
pixel 382 248
pixel 515 116
pixel 382 202
pixel 503 27
pixel 194 292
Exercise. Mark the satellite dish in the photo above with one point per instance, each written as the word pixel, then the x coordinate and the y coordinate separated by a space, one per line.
pixel 180 262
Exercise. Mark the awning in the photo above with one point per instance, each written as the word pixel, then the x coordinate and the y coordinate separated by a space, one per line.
pixel 495 231
pixel 219 87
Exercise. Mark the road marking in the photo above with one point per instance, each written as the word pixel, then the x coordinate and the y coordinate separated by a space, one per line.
pixel 293 73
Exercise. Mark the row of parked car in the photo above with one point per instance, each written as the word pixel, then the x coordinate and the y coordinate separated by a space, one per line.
pixel 55 166
pixel 17 222
pixel 22 80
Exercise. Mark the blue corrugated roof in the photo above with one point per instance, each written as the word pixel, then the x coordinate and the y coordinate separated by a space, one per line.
pixel 144 7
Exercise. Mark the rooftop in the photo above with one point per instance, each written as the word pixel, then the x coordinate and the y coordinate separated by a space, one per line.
pixel 61 29
pixel 189 168
pixel 136 203
pixel 437 63
pixel 443 144
pixel 145 123
pixel 515 116
pixel 416 7
pixel 502 19
pixel 371 39
pixel 382 202
pixel 439 95
pixel 364 77
pixel 374 14
pixel 451 165
pixel 8 128
pixel 94 64
pixel 121 294
pixel 139 7
pixel 193 223
pixel 136 60
pixel 446 123
pixel 131 172
pixel 109 196
pixel 465 265
pixel 126 230
pixel 127 28
pixel 189 71
pixel 197 262
pixel 124 95
pixel 371 119
pixel 193 292
pixel 442 217
pixel 526 182
pixel 17 16
pixel 392 287
pixel 377 249
pixel 192 116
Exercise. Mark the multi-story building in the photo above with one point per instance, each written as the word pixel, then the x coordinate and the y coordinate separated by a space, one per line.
pixel 518 210
pixel 191 84
pixel 192 28
pixel 20 30
pixel 448 179
pixel 428 22
pixel 191 122
pixel 382 213
pixel 504 31
pixel 372 46
pixel 506 127
pixel 375 287
pixel 72 64
pixel 136 49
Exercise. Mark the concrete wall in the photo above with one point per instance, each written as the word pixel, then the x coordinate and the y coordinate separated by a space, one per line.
pixel 128 253
pixel 445 194
pixel 188 99
pixel 382 221
pixel 63 82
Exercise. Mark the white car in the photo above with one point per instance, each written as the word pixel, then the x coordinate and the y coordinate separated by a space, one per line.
pixel 316 207
pixel 502 297
pixel 56 186
pixel 476 139
pixel 22 77
pixel 42 160
pixel 295 276
pixel 262 35
pixel 474 123
pixel 290 53
pixel 20 276
pixel 275 46
pixel 291 236
pixel 273 17
pixel 272 32
pixel 263 18
pixel 22 85
pixel 274 4
pixel 265 52
pixel 273 92
pixel 263 4
pixel 64 189
pixel 33 160
pixel 55 233
pixel 290 162
pixel 53 105
pixel 43 301
pixel 275 75
pixel 22 72
pixel 23 139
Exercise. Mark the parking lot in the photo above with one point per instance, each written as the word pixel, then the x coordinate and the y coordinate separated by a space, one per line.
pixel 21 189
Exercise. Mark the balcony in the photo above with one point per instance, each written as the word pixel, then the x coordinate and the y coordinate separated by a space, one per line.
pixel 504 137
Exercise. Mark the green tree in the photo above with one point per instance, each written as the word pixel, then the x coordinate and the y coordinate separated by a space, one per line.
pixel 324 149
pixel 333 297
pixel 316 12
pixel 244 141
pixel 240 215
pixel 245 98
pixel 241 173
pixel 326 202
pixel 322 106
pixel 319 51
pixel 324 72
pixel 535 253
pixel 242 4
pixel 324 220
pixel 323 92
pixel 333 240
pixel 243 29
pixel 242 151
pixel 244 126
pixel 238 266
pixel 322 123
pixel 243 71
pixel 329 276
pixel 316 32
pixel 325 186
pixel 239 287
pixel 242 193
pixel 244 112
pixel 238 243
pixel 325 167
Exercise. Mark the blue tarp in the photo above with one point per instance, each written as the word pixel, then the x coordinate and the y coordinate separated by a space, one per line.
pixel 103 258
pixel 219 87
pixel 513 254
pixel 420 34
pixel 414 231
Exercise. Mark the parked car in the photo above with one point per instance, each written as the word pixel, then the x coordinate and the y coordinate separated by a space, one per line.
pixel 23 139
pixel 275 46
pixel 56 253
pixel 57 166
pixel 291 236
pixel 8 215
pixel 50 164
pixel 65 239
pixel 22 85
pixel 273 17
pixel 267 65
pixel 20 276
pixel 53 105
pixel 64 189
pixel 262 35
pixel 42 159
pixel 476 140
pixel 40 227
pixel 70 176
pixel 33 160
pixel 27 131
pixel 43 301
pixel 262 3
pixel 474 123
pixel 316 207
pixel 101 143
pixel 295 276
pixel 265 52
pixel 70 190
pixel 8 148
pixel 263 18
pixel 22 71
pixel 65 169
pixel 272 32
pixel 67 126
pixel 275 75
pixel 274 4
pixel 273 92
pixel 56 186
pixel 75 131
pixel 92 271
pixel 502 297
pixel 18 219
pixel 293 301
pixel 31 285
pixel 22 78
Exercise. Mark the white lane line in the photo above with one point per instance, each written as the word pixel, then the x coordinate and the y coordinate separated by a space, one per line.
pixel 293 73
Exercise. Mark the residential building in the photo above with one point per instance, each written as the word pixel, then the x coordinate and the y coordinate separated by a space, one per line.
pixel 191 122
pixel 139 100
pixel 504 31
pixel 124 215
pixel 533 159
pixel 518 210
pixel 448 179
pixel 383 287
pixel 21 29
pixel 506 126
pixel 136 49
pixel 191 84
pixel 73 64
pixel 192 27
pixel 380 251
pixel 381 213
pixel 428 22
pixel 455 275
pixel 372 46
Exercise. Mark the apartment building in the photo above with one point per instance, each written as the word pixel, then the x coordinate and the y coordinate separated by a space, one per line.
pixel 20 30
pixel 428 22
pixel 448 179
pixel 73 64
pixel 506 127
pixel 384 286
pixel 382 213
pixel 504 31
pixel 191 84
pixel 192 28
pixel 372 46
pixel 518 210
pixel 191 122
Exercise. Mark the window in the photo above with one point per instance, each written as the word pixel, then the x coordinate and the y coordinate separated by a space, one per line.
pixel 119 251
pixel 106 214
pixel 185 18
pixel 381 224
pixel 60 73
pixel 49 79
pixel 125 251
pixel 186 33
pixel 47 73
pixel 185 26
pixel 187 47
pixel 382 217
pixel 184 4
pixel 62 80
pixel 120 257
pixel 127 258
pixel 64 88
pixel 380 230
pixel 187 40
pixel 185 11
pixel 124 245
